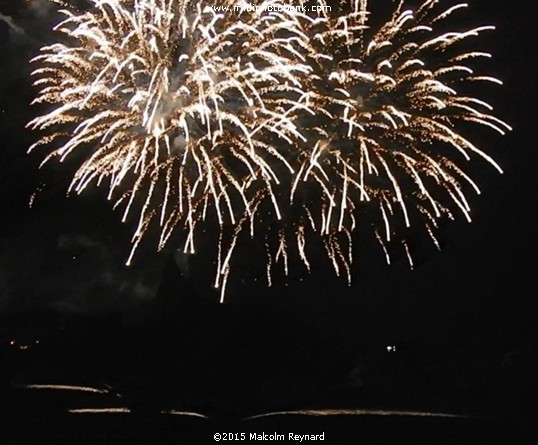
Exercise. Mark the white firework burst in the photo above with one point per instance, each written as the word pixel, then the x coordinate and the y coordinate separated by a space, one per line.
pixel 276 122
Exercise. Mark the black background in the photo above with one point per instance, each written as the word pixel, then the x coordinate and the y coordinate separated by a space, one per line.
pixel 463 321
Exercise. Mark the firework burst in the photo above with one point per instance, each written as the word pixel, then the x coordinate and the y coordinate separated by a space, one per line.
pixel 386 135
pixel 280 123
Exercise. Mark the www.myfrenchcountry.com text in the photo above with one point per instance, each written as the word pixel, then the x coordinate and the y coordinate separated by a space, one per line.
pixel 274 7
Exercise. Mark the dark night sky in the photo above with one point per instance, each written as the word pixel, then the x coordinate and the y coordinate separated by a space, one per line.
pixel 67 254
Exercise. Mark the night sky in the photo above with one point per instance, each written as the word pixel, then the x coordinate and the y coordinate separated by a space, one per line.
pixel 474 300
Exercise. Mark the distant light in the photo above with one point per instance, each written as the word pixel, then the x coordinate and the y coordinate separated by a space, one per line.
pixel 391 348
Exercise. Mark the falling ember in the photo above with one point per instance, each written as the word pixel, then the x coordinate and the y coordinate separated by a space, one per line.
pixel 294 126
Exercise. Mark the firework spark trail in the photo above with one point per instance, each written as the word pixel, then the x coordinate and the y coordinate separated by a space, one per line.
pixel 280 124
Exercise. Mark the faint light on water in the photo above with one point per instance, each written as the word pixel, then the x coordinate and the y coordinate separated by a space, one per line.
pixel 99 411
pixel 174 412
pixel 67 388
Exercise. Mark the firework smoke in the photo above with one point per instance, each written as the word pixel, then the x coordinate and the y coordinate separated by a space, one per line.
pixel 284 124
